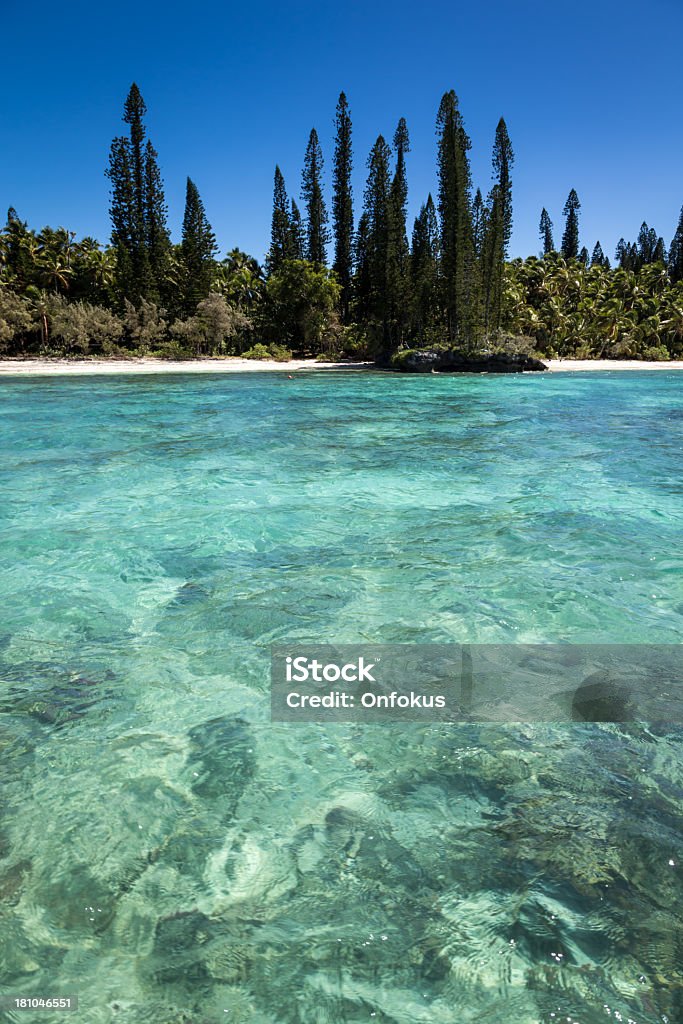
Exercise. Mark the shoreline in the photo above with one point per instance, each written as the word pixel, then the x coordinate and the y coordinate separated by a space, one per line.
pixel 53 367
pixel 574 365
pixel 145 365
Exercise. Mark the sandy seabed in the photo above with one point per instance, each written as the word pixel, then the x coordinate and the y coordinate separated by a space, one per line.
pixel 50 367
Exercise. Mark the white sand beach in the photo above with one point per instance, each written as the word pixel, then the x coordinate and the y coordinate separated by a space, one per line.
pixel 43 367
pixel 611 364
pixel 53 367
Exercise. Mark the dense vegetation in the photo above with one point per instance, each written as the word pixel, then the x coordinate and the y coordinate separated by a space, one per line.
pixel 448 282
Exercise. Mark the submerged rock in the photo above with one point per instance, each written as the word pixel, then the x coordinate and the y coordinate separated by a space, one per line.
pixel 178 946
pixel 12 881
pixel 602 698
pixel 65 698
pixel 222 760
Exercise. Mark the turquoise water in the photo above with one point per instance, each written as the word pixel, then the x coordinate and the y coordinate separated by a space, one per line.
pixel 170 856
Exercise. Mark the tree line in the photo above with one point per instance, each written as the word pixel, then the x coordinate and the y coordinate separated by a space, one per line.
pixel 445 281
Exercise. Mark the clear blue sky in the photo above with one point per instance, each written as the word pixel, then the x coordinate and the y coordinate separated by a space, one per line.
pixel 592 92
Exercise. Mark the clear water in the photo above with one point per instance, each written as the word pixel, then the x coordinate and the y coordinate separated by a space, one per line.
pixel 170 856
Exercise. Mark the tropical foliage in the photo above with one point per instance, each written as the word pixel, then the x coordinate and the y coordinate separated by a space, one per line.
pixel 569 309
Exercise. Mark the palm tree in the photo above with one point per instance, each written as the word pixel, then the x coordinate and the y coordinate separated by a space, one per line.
pixel 54 273
pixel 240 279
pixel 99 266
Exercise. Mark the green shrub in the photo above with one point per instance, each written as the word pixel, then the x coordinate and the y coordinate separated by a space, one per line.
pixel 210 329
pixel 145 326
pixel 173 349
pixel 83 329
pixel 257 351
pixel 260 351
pixel 656 354
pixel 280 353
pixel 16 319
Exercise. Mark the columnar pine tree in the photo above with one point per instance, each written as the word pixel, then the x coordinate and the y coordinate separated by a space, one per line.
pixel 157 236
pixel 134 111
pixel 424 272
pixel 138 210
pixel 342 206
pixel 480 215
pixel 377 214
pixel 499 229
pixel 651 247
pixel 627 255
pixel 125 239
pixel 584 256
pixel 659 253
pixel 648 249
pixel 545 230
pixel 398 281
pixel 676 252
pixel 296 244
pixel 570 238
pixel 457 242
pixel 317 235
pixel 361 277
pixel 598 257
pixel 281 226
pixel 197 250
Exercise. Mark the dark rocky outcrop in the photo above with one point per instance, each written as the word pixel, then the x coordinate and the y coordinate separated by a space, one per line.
pixel 452 361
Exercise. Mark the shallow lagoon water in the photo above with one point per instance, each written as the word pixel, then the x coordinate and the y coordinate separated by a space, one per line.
pixel 170 856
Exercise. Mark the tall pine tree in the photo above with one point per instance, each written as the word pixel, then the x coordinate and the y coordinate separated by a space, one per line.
pixel 342 206
pixel 134 111
pixel 397 276
pixel 281 226
pixel 480 216
pixel 317 235
pixel 377 202
pixel 457 241
pixel 424 273
pixel 499 229
pixel 621 254
pixel 659 254
pixel 570 238
pixel 647 242
pixel 545 230
pixel 598 258
pixel 156 232
pixel 138 210
pixel 297 242
pixel 361 276
pixel 197 250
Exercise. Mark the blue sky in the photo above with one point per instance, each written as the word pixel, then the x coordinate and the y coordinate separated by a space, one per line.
pixel 592 94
